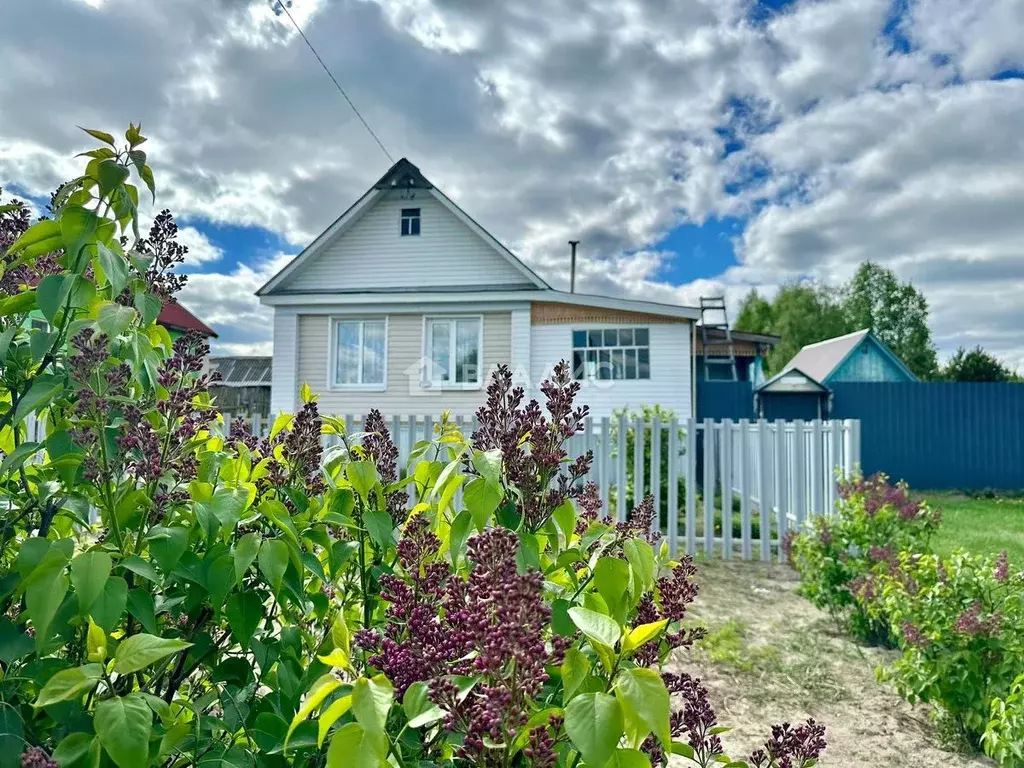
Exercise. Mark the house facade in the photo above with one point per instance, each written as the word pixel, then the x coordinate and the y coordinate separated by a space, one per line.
pixel 406 304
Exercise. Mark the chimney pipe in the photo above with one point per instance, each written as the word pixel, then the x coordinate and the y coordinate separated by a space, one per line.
pixel 572 266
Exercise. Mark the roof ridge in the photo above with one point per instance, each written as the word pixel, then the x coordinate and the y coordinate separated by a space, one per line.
pixel 863 331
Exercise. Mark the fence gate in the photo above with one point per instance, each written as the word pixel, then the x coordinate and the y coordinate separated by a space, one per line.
pixel 757 479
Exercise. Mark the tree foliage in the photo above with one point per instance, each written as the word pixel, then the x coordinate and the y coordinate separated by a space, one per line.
pixel 874 298
pixel 976 365
pixel 269 601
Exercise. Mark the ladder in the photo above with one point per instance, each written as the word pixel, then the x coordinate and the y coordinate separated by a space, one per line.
pixel 712 310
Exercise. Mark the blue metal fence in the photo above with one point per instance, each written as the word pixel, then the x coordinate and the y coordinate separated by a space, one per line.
pixel 934 435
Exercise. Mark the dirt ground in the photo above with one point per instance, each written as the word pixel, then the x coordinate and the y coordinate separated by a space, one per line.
pixel 772 656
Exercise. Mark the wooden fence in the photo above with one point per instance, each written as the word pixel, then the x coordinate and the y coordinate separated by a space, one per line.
pixel 722 488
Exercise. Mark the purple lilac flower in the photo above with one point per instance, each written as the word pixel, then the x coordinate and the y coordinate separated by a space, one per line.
pixel 791 747
pixel 382 450
pixel 36 757
pixel 912 635
pixel 970 622
pixel 1002 569
pixel 532 444
pixel 542 741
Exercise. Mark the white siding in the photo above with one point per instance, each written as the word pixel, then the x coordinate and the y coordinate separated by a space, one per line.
pixel 669 385
pixel 520 358
pixel 405 351
pixel 372 254
pixel 283 389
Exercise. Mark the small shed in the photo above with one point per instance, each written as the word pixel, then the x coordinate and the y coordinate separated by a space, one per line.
pixel 857 356
pixel 244 387
pixel 792 394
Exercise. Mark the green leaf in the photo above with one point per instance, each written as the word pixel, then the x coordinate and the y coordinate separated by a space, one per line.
pixel 115 268
pixel 42 599
pixel 330 716
pixel 101 135
pixel 167 545
pixel 273 562
pixel 340 634
pixel 380 526
pixel 96 642
pixel 114 319
pixel 611 577
pixel 220 578
pixel 108 608
pixel 123 726
pixel 488 465
pixel 352 747
pixel 43 234
pixel 244 611
pixel 139 651
pixel 12 735
pixel 565 518
pixel 141 606
pixel 141 567
pixel 228 504
pixel 89 574
pixel 69 684
pixel 110 174
pixel 459 535
pixel 363 476
pixel 78 226
pixel 50 296
pixel 18 457
pixel 72 748
pixel 371 702
pixel 594 723
pixel 245 553
pixel 14 643
pixel 631 758
pixel 321 689
pixel 575 668
pixel 643 633
pixel 641 560
pixel 149 306
pixel 43 390
pixel 481 499
pixel 645 704
pixel 419 709
pixel 147 176
pixel 596 626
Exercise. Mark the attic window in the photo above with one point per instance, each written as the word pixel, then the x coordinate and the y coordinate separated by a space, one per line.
pixel 410 221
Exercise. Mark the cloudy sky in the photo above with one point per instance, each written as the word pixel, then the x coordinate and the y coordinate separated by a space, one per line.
pixel 692 145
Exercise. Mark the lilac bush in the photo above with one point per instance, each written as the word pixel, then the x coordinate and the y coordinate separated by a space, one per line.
pixel 266 601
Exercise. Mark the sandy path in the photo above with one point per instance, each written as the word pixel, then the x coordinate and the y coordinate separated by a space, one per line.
pixel 772 656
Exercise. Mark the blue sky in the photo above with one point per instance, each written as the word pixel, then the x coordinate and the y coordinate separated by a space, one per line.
pixel 695 148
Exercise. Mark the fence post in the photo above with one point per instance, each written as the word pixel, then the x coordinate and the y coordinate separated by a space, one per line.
pixel 853 460
pixel 709 486
pixel 602 465
pixel 727 489
pixel 763 485
pixel 799 473
pixel 656 471
pixel 691 486
pixel 639 438
pixel 256 425
pixel 620 495
pixel 817 460
pixel 673 488
pixel 781 484
pixel 745 463
pixel 835 461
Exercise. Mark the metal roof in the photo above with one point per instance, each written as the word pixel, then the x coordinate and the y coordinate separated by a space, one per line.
pixel 174 315
pixel 242 371
pixel 820 359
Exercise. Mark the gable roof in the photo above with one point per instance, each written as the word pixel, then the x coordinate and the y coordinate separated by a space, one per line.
pixel 401 175
pixel 242 371
pixel 792 380
pixel 822 359
pixel 173 315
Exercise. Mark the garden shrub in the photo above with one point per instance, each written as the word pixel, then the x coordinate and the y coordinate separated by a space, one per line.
pixel 269 602
pixel 647 414
pixel 838 555
pixel 1004 736
pixel 961 629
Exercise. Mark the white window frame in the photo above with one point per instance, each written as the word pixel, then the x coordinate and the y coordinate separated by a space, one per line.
pixel 425 380
pixel 402 218
pixel 626 326
pixel 332 353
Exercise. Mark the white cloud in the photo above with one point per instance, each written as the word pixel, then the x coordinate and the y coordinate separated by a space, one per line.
pixel 200 249
pixel 606 121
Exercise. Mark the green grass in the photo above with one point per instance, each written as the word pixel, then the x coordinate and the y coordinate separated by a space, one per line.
pixel 983 525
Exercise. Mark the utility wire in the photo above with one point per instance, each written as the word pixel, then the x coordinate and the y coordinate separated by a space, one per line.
pixel 284 7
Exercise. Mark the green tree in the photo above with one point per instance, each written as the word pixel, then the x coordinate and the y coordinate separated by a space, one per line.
pixel 976 365
pixel 755 314
pixel 896 312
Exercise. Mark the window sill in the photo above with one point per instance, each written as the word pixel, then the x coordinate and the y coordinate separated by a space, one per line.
pixel 428 386
pixel 357 388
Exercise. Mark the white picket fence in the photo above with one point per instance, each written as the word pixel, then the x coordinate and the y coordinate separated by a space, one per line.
pixel 777 474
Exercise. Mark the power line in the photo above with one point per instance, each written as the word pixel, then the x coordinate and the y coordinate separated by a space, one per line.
pixel 283 6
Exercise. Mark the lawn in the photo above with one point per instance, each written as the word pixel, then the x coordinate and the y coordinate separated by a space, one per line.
pixel 984 525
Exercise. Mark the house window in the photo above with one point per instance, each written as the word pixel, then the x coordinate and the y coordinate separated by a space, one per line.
pixel 453 350
pixel 611 353
pixel 360 353
pixel 410 221
pixel 39 324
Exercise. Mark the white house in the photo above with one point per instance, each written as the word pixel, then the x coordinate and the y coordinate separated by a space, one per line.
pixel 406 304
